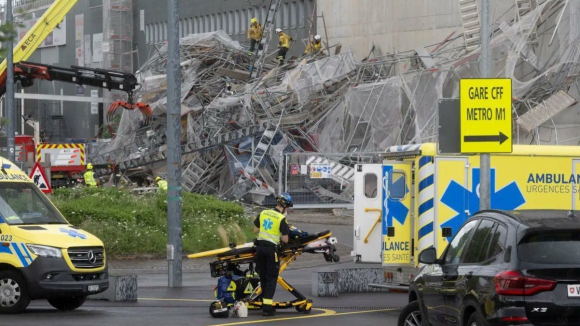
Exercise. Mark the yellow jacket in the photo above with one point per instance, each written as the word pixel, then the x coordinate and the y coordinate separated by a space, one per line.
pixel 255 32
pixel 284 41
pixel 314 48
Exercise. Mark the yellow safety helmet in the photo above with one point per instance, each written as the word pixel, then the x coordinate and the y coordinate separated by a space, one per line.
pixel 254 20
pixel 89 166
pixel 157 179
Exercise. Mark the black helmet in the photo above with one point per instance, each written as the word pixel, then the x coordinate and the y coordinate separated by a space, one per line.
pixel 284 200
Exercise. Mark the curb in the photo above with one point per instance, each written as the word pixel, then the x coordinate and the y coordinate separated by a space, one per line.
pixel 296 265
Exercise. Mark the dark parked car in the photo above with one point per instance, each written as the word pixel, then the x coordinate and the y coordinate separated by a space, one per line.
pixel 502 268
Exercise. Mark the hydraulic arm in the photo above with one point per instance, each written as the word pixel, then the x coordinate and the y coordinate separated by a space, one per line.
pixel 36 35
pixel 27 72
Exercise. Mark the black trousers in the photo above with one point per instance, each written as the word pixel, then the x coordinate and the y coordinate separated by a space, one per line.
pixel 253 45
pixel 268 266
pixel 282 54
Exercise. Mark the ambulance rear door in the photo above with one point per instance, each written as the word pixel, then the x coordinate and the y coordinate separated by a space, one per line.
pixel 397 221
pixel 367 213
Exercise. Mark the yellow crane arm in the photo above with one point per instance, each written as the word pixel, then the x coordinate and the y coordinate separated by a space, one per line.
pixel 36 35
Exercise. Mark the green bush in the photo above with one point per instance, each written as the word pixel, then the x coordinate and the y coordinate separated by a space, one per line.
pixel 132 225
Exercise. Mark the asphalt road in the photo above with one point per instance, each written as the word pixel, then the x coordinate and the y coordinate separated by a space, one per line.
pixel 159 305
pixel 189 306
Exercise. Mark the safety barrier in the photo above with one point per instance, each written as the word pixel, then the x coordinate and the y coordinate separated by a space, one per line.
pixel 323 180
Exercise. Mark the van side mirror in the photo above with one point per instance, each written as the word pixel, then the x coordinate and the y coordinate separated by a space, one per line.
pixel 428 256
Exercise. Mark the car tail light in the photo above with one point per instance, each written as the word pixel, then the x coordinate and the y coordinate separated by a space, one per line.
pixel 515 283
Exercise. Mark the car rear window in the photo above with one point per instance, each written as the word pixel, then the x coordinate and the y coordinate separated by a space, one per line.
pixel 561 247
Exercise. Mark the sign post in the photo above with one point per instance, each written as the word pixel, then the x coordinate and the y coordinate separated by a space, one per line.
pixel 485 66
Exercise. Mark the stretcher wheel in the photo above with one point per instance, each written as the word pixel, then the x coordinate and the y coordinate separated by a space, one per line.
pixel 222 314
pixel 302 308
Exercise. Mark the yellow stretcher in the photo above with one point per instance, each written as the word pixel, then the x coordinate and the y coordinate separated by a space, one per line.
pixel 229 261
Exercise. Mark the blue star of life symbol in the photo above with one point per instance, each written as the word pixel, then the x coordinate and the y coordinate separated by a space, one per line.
pixel 73 233
pixel 267 224
pixel 466 202
pixel 393 207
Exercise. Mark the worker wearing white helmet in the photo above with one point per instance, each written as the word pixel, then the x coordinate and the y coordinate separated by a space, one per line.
pixel 283 45
pixel 315 47
pixel 255 35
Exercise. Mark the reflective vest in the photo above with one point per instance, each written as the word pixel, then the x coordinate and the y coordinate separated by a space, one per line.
pixel 90 179
pixel 270 221
pixel 284 41
pixel 162 184
pixel 255 32
pixel 313 47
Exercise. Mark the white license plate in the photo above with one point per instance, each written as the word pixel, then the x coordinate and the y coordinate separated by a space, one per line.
pixel 93 288
pixel 574 291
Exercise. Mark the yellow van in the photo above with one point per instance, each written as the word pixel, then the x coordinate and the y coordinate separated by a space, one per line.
pixel 42 256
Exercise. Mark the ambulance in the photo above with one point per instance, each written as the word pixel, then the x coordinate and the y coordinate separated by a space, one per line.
pixel 42 256
pixel 418 198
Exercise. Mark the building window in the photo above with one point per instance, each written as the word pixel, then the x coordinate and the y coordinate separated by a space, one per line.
pixel 196 28
pixel 237 22
pixel 264 14
pixel 231 22
pixel 286 14
pixel 302 14
pixel 294 17
pixel 156 33
pixel 207 24
pixel 147 34
pixel 165 31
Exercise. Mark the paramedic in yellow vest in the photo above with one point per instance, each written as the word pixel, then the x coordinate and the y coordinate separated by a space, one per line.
pixel 89 177
pixel 255 35
pixel 162 184
pixel 270 225
pixel 314 48
pixel 283 45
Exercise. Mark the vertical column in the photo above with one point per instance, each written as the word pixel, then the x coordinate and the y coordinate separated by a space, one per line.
pixel 10 87
pixel 174 147
pixel 485 159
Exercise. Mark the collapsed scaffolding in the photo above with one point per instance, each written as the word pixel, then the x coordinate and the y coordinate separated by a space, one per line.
pixel 243 131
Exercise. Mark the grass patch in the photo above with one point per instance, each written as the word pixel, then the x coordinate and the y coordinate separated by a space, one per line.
pixel 131 225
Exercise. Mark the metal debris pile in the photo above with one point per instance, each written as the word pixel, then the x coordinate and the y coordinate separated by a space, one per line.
pixel 245 136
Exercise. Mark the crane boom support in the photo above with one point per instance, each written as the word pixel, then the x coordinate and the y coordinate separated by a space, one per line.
pixel 40 31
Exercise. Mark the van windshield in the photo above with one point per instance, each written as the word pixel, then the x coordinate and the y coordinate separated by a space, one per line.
pixel 23 203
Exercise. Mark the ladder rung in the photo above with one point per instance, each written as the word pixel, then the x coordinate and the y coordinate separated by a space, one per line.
pixel 470 16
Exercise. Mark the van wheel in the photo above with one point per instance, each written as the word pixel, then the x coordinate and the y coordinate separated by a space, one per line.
pixel 14 296
pixel 410 315
pixel 68 303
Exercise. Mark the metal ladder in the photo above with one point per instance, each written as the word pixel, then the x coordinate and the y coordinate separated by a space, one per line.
pixel 198 169
pixel 265 41
pixel 471 24
pixel 524 7
pixel 262 148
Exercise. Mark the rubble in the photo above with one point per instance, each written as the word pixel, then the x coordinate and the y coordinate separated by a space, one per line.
pixel 333 109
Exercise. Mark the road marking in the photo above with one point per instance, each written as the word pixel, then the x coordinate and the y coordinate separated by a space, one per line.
pixel 187 300
pixel 326 313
